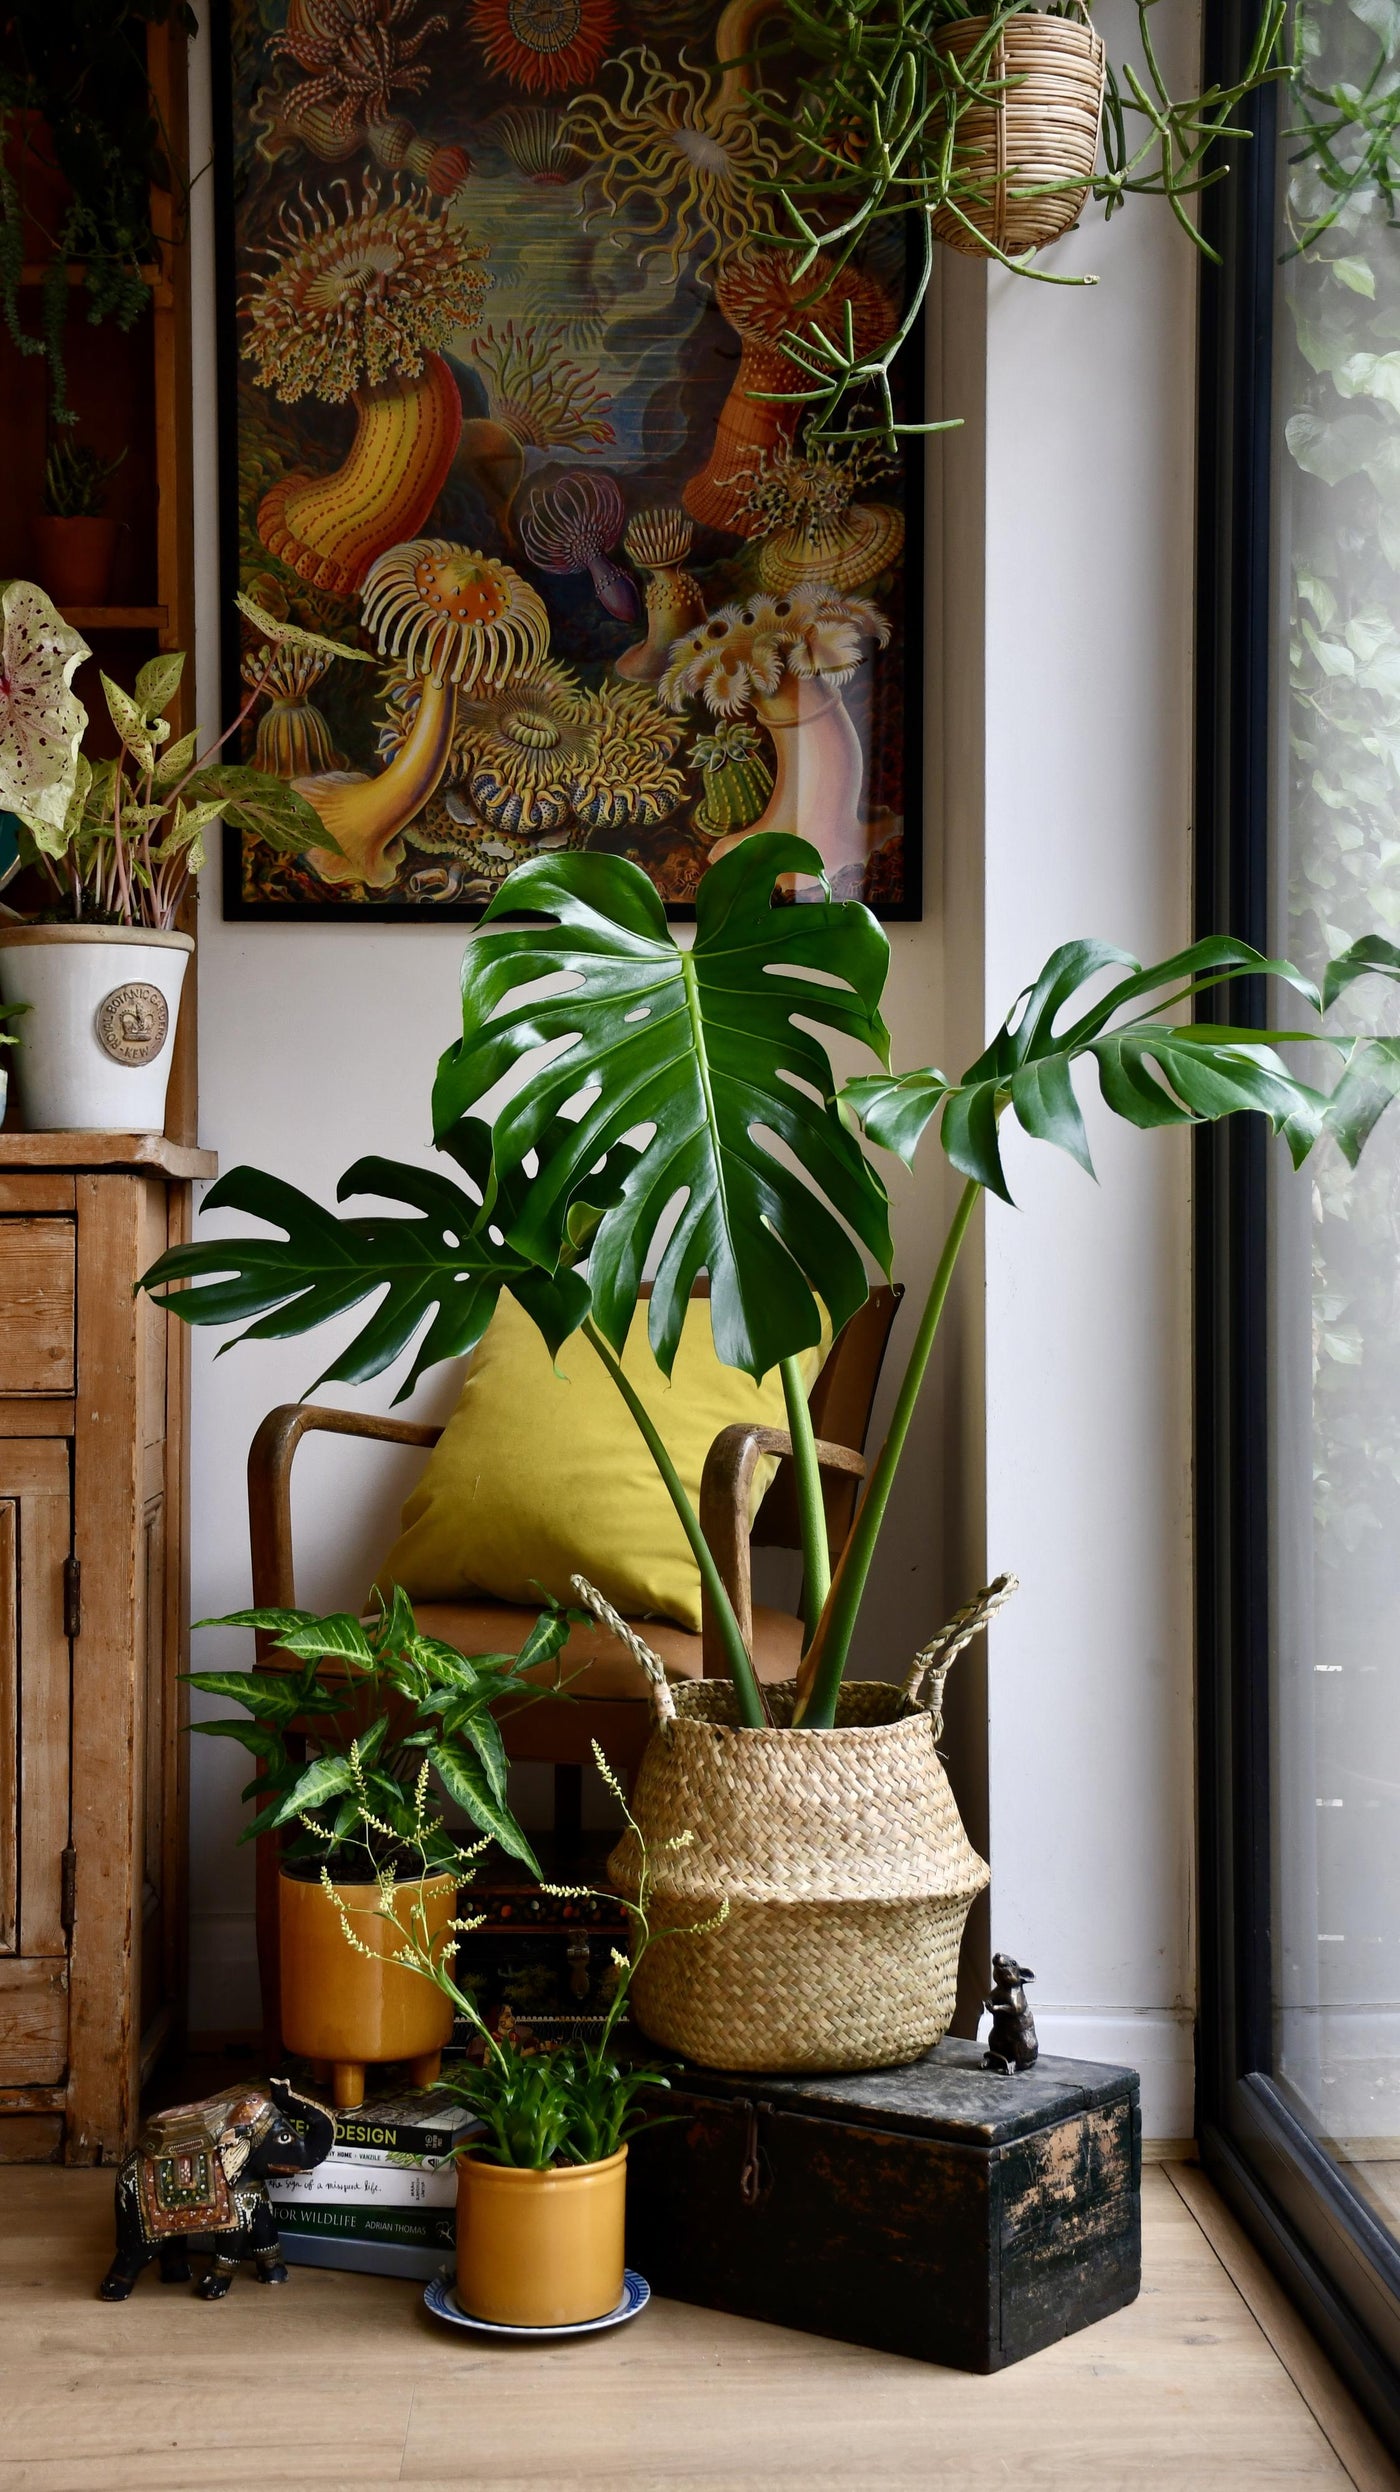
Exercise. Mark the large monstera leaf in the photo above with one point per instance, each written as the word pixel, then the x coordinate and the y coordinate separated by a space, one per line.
pixel 1151 1071
pixel 698 1059
pixel 441 1268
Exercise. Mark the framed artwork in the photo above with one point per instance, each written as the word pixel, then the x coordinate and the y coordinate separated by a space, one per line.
pixel 504 409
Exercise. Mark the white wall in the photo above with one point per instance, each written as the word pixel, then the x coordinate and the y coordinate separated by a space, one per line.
pixel 318 1044
pixel 1088 795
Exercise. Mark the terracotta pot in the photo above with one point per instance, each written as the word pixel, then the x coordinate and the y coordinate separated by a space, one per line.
pixel 74 559
pixel 540 2249
pixel 98 1040
pixel 343 2009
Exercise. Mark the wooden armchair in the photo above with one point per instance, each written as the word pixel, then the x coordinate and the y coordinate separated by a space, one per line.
pixel 608 1700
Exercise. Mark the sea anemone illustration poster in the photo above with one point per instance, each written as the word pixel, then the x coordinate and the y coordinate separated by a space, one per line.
pixel 513 416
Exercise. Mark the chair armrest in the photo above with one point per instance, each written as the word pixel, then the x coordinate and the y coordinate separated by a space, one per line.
pixel 270 1458
pixel 726 1488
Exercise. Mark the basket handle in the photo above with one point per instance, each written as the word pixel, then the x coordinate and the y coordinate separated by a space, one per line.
pixel 648 1662
pixel 923 1687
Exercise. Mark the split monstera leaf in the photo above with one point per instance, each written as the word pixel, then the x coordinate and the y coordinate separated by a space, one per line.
pixel 679 1108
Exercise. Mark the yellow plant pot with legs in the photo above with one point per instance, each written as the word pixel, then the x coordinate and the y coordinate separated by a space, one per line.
pixel 344 2010
pixel 540 2249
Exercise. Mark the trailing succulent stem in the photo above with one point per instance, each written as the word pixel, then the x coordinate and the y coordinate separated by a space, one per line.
pixel 874 134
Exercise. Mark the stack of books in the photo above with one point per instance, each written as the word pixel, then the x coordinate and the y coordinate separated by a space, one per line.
pixel 385 2201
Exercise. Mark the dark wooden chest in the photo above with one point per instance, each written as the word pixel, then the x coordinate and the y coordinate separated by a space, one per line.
pixel 937 2210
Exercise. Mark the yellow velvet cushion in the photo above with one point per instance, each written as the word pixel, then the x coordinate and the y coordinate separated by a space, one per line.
pixel 542 1473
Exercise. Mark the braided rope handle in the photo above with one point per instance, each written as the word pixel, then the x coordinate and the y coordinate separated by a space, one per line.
pixel 934 1662
pixel 650 1663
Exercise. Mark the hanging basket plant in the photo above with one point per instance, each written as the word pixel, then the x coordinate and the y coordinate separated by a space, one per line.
pixel 990 134
pixel 1023 103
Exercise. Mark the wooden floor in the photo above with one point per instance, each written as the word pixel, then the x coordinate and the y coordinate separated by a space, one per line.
pixel 1208 2384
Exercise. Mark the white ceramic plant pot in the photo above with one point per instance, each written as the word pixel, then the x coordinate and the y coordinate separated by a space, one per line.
pixel 97 1042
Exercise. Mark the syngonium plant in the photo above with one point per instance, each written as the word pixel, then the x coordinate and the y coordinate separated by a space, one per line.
pixel 679 1109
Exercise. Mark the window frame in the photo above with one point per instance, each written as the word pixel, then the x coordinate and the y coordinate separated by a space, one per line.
pixel 1335 2259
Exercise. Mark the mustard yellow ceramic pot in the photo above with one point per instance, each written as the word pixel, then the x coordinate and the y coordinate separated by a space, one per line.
pixel 540 2249
pixel 342 2009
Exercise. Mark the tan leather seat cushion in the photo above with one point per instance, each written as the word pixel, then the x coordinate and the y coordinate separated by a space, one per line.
pixel 607 1670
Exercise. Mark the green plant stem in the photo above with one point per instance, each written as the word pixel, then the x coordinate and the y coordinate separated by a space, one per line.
pixel 826 1662
pixel 741 1669
pixel 811 1505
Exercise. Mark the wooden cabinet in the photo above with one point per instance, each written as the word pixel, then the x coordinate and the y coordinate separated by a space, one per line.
pixel 93 1623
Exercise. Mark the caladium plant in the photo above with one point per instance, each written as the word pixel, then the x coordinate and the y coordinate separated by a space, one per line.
pixel 681 1107
pixel 120 840
pixel 42 721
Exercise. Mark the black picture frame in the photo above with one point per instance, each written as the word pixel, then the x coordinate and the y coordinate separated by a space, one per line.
pixel 366 910
pixel 1337 2262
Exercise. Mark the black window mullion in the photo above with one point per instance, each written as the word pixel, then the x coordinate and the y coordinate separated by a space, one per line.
pixel 1325 2245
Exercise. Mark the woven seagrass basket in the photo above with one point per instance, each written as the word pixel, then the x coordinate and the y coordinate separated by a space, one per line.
pixel 847 1874
pixel 1026 138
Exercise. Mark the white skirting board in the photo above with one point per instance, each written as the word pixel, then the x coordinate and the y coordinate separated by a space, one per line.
pixel 1159 2042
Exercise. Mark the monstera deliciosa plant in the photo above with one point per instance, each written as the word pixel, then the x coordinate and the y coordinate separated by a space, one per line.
pixel 659 1083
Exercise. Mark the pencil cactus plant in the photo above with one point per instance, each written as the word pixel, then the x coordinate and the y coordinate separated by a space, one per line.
pixel 895 106
pixel 664 1076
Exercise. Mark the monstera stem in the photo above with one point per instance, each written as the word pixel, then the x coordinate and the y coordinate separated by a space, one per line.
pixel 819 1679
pixel 811 1505
pixel 736 1651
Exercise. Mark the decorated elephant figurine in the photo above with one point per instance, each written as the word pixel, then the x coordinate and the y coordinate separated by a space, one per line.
pixel 197 2180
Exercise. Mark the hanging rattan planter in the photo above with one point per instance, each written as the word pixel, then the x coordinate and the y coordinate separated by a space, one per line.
pixel 1026 136
pixel 845 1868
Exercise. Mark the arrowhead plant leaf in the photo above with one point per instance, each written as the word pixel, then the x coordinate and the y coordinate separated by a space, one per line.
pixel 700 1059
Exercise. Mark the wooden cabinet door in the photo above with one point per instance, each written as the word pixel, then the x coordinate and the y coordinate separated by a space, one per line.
pixel 35 1544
